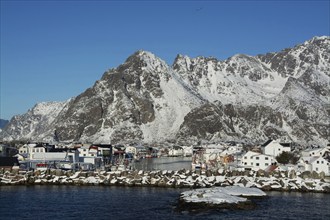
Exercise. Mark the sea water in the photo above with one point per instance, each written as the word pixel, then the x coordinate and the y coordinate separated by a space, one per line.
pixel 111 202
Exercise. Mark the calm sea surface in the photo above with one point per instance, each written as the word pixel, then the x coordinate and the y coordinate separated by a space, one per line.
pixel 101 202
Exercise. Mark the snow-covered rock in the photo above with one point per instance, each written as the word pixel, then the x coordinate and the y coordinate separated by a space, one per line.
pixel 218 197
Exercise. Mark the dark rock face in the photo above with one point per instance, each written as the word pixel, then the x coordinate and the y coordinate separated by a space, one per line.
pixel 287 63
pixel 122 95
pixel 227 122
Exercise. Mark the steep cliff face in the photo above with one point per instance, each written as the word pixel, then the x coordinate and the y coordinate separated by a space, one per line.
pixel 276 95
pixel 140 100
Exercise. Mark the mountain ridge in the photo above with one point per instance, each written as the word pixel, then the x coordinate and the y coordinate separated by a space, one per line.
pixel 251 98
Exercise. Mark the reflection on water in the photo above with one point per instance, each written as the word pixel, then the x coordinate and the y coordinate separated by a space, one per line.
pixel 163 163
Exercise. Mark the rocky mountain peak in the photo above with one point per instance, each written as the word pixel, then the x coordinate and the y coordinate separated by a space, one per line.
pixel 321 41
pixel 295 61
pixel 146 61
pixel 244 97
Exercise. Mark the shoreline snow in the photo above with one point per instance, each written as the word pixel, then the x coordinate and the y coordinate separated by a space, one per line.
pixel 276 181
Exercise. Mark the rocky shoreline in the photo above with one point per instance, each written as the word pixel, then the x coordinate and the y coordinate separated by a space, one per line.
pixel 275 181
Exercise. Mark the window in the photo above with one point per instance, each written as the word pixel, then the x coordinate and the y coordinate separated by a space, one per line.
pixel 257 158
pixel 257 164
pixel 251 157
pixel 245 163
pixel 317 169
pixel 317 162
pixel 245 157
pixel 252 164
pixel 322 162
pixel 266 164
pixel 266 158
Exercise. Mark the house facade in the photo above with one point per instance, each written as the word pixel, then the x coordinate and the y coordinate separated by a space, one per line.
pixel 256 161
pixel 321 165
pixel 175 151
pixel 317 164
pixel 275 148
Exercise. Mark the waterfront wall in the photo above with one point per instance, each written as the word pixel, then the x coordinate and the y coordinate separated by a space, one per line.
pixel 279 181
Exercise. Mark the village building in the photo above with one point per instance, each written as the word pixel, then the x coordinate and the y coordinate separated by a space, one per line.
pixel 316 151
pixel 317 164
pixel 275 148
pixel 256 161
pixel 175 151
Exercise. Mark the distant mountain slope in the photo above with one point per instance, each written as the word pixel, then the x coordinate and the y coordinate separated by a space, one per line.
pixel 3 123
pixel 276 95
pixel 33 124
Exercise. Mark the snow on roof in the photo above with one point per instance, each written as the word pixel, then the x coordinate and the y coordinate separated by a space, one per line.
pixel 310 159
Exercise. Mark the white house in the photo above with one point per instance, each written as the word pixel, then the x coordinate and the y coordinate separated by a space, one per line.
pixel 90 155
pixel 35 149
pixel 247 158
pixel 175 151
pixel 321 165
pixel 314 152
pixel 256 161
pixel 275 148
pixel 317 164
pixel 87 151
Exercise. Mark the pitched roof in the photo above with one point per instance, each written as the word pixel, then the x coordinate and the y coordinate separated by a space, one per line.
pixel 271 168
pixel 285 144
pixel 267 142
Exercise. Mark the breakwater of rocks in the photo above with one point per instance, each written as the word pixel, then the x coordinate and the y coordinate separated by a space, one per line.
pixel 279 181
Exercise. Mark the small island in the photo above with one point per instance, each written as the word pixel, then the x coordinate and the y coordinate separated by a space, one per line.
pixel 230 197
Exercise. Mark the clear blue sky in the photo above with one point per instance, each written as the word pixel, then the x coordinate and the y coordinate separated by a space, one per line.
pixel 54 50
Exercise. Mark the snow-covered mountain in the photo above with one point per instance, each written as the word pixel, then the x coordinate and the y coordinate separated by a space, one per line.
pixel 249 98
pixel 33 124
